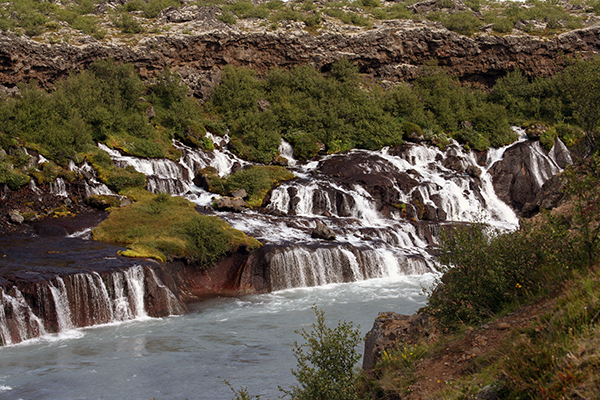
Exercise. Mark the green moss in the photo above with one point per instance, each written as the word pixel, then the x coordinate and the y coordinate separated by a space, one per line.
pixel 165 227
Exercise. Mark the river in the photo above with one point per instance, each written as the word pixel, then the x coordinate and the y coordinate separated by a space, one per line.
pixel 247 341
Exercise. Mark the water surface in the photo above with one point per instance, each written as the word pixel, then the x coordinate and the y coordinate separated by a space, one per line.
pixel 247 341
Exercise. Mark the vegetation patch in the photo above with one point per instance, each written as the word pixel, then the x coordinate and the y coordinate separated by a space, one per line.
pixel 165 227
pixel 256 180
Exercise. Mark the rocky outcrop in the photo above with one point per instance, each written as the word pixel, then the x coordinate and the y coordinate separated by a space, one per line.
pixel 390 331
pixel 519 176
pixel 322 231
pixel 392 51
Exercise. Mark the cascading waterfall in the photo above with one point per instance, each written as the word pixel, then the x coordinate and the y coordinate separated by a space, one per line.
pixel 427 186
pixel 79 300
pixel 17 320
pixel 61 304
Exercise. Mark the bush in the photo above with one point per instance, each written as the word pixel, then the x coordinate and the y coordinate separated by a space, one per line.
pixel 305 146
pixel 256 180
pixel 462 22
pixel 482 274
pixel 14 179
pixel 325 362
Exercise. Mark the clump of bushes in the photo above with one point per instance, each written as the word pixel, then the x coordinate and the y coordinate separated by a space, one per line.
pixel 165 227
pixel 256 180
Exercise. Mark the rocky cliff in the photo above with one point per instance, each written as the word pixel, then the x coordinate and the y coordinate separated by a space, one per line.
pixel 391 51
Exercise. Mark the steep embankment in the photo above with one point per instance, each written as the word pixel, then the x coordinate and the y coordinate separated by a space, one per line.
pixel 392 50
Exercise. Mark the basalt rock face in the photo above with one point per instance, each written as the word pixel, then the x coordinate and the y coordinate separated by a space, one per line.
pixel 518 178
pixel 391 331
pixel 393 50
pixel 237 274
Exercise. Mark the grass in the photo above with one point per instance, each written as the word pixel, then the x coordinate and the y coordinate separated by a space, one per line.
pixel 165 228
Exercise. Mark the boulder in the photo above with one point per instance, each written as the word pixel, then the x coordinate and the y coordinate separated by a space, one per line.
pixel 230 204
pixel 550 196
pixel 560 154
pixel 519 176
pixel 391 330
pixel 203 177
pixel 281 161
pixel 473 170
pixel 241 193
pixel 322 231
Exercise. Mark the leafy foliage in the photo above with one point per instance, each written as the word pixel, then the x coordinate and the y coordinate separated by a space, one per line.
pixel 256 180
pixel 325 362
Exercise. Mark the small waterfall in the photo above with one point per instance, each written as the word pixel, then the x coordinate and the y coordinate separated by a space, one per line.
pixel 17 320
pixel 80 300
pixel 61 304
pixel 287 151
pixel 135 281
pixel 59 188
pixel 301 266
pixel 92 185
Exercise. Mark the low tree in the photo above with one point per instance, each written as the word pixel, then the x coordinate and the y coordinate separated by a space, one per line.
pixel 325 363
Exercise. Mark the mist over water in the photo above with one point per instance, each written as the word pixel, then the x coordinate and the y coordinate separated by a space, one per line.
pixel 247 341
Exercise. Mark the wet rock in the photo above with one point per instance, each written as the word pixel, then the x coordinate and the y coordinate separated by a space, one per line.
pixel 473 170
pixel 550 196
pixel 322 231
pixel 16 217
pixel 519 176
pixel 454 163
pixel 203 177
pixel 230 204
pixel 561 154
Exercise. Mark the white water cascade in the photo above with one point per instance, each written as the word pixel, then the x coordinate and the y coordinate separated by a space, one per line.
pixel 386 207
pixel 80 300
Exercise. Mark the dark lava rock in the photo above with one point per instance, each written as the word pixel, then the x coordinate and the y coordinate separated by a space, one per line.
pixel 322 231
pixel 519 176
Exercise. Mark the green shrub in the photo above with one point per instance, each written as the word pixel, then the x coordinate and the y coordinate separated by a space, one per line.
pixel 257 180
pixel 305 146
pixel 13 178
pixel 548 139
pixel 227 17
pixel 325 362
pixel 503 25
pixel 482 275
pixel 153 7
pixel 128 24
pixel 464 23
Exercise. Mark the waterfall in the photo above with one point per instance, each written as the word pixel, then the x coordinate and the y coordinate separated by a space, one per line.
pixel 17 320
pixel 386 207
pixel 80 300
pixel 61 303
